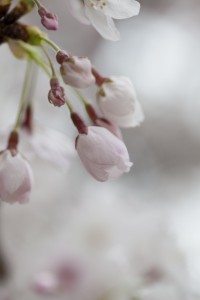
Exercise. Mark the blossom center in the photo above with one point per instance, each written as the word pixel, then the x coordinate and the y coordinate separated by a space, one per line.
pixel 96 4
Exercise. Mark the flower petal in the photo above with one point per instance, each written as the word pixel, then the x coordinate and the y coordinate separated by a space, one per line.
pixel 103 24
pixel 77 10
pixel 122 9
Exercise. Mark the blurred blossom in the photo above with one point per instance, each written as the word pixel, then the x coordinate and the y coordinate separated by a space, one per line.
pixel 48 144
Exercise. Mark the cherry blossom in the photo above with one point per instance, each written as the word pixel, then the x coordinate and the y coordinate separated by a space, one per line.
pixel 118 101
pixel 77 72
pixel 102 153
pixel 100 14
pixel 16 178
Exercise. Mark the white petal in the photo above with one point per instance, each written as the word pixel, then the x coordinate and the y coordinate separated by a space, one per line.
pixel 77 10
pixel 103 24
pixel 122 9
pixel 135 119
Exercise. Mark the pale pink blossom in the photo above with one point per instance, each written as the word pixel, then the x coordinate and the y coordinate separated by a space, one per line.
pixel 16 178
pixel 77 72
pixel 102 153
pixel 118 101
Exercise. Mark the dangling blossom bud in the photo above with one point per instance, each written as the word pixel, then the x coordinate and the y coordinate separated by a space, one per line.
pixel 103 154
pixel 56 94
pixel 62 56
pixel 15 178
pixel 48 19
pixel 76 71
pixel 15 173
pixel 45 283
pixel 118 101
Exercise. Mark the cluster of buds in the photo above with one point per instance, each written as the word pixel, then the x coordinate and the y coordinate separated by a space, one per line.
pixel 99 144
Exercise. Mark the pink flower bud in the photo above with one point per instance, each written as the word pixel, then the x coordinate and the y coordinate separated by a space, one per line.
pixel 77 71
pixel 103 154
pixel 118 102
pixel 48 19
pixel 62 56
pixel 56 94
pixel 15 178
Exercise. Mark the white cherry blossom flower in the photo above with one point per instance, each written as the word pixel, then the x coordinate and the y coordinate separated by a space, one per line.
pixel 16 178
pixel 77 72
pixel 118 102
pixel 100 14
pixel 102 153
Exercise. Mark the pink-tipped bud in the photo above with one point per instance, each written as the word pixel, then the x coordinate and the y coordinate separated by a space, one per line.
pixel 77 72
pixel 62 56
pixel 48 19
pixel 56 94
pixel 103 154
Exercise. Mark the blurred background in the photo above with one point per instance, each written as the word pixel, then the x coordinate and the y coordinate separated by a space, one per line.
pixel 159 50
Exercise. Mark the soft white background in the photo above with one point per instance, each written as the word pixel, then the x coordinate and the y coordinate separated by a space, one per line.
pixel 159 50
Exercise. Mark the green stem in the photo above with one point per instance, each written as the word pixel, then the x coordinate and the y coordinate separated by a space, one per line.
pixel 23 96
pixel 50 43
pixel 37 3
pixel 69 106
pixel 34 55
pixel 49 60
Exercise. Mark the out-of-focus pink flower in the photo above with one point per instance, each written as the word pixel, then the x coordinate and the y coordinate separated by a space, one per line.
pixel 48 19
pixel 68 273
pixel 118 101
pixel 103 154
pixel 45 283
pixel 56 94
pixel 15 178
pixel 77 72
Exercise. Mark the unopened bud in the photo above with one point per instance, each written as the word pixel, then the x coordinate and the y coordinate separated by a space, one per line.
pixel 48 19
pixel 56 94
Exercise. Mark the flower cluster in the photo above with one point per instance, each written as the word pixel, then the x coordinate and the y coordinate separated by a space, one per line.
pixel 99 144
